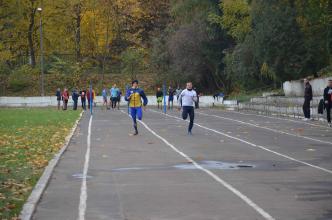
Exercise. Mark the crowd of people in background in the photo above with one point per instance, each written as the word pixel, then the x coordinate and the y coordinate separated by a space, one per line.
pixel 114 94
pixel 188 100
pixel 115 98
pixel 88 99
pixel 84 94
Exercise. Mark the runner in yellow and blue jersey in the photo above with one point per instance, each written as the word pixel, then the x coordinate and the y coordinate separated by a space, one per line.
pixel 134 96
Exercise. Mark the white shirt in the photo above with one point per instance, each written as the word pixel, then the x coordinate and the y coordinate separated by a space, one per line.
pixel 188 98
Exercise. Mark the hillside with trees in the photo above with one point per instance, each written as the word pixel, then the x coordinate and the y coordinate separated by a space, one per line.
pixel 228 45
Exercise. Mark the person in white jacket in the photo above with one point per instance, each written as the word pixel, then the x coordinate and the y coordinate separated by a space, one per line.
pixel 187 100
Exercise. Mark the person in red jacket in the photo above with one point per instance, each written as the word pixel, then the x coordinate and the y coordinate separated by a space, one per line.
pixel 65 98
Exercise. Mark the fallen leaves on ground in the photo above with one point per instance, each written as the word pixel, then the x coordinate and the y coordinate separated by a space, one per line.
pixel 27 143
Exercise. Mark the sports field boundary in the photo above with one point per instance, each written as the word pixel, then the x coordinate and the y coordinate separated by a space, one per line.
pixel 31 204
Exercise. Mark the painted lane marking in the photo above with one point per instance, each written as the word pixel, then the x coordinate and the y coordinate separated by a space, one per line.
pixel 282 119
pixel 266 128
pixel 84 194
pixel 254 145
pixel 258 209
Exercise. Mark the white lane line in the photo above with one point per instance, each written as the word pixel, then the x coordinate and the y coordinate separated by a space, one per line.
pixel 211 174
pixel 254 145
pixel 84 195
pixel 266 128
pixel 282 119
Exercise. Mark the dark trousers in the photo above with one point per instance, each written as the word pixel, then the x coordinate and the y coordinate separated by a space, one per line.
pixel 83 104
pixel 75 105
pixel 188 110
pixel 306 108
pixel 328 112
pixel 65 103
pixel 113 101
pixel 197 103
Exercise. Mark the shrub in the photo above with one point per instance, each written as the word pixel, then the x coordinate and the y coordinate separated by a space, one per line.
pixel 22 78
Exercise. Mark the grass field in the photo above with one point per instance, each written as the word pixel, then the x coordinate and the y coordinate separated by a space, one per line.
pixel 29 138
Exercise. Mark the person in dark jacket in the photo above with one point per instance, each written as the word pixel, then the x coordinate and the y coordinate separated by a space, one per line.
pixel 83 98
pixel 307 99
pixel 159 96
pixel 197 102
pixel 75 96
pixel 58 97
pixel 328 101
pixel 90 97
pixel 171 93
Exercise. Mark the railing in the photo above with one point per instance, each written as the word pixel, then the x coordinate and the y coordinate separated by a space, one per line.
pixel 282 106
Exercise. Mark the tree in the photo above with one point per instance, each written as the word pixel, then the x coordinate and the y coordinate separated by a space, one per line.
pixel 235 18
pixel 315 20
pixel 132 62
pixel 278 41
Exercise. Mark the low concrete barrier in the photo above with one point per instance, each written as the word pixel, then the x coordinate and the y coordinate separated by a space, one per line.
pixel 204 101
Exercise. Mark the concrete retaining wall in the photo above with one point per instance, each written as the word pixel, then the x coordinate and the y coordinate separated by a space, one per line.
pixel 296 87
pixel 283 101
pixel 204 101
pixel 293 111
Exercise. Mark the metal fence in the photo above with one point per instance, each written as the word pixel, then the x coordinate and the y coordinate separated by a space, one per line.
pixel 282 107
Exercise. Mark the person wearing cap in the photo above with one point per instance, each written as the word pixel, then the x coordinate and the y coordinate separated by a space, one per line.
pixel 134 96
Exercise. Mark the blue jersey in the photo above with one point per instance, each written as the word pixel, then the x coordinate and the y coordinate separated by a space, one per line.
pixel 114 92
pixel 104 93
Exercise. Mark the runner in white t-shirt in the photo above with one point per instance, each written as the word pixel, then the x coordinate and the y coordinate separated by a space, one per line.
pixel 187 100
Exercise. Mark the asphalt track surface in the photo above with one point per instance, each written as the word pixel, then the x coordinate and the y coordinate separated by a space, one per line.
pixel 234 166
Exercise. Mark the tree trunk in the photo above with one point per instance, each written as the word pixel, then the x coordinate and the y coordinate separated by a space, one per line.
pixel 77 9
pixel 106 48
pixel 32 55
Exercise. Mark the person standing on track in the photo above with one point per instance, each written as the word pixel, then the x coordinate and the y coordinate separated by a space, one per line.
pixel 307 99
pixel 159 96
pixel 187 100
pixel 114 96
pixel 178 92
pixel 75 96
pixel 104 94
pixel 94 100
pixel 171 93
pixel 83 98
pixel 328 101
pixel 88 97
pixel 119 99
pixel 134 96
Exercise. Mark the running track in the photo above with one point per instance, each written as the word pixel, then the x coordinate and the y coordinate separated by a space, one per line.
pixel 160 174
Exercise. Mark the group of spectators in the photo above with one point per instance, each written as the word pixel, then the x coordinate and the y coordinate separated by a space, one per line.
pixel 84 94
pixel 88 99
pixel 115 97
